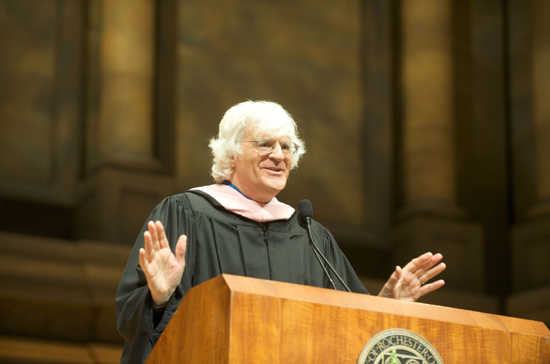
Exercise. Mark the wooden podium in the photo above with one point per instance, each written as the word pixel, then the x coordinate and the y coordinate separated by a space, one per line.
pixel 233 319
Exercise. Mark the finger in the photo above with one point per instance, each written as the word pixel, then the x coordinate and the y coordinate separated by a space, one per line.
pixel 181 248
pixel 433 272
pixel 417 264
pixel 143 260
pixel 148 246
pixel 395 277
pixel 432 262
pixel 430 269
pixel 163 240
pixel 388 290
pixel 154 235
pixel 427 265
pixel 427 288
pixel 398 273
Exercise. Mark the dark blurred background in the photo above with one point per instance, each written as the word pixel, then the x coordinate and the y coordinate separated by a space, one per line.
pixel 426 123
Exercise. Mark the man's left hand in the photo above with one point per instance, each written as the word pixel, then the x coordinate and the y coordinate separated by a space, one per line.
pixel 411 282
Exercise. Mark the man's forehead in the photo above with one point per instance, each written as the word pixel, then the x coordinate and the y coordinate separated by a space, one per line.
pixel 259 135
pixel 285 138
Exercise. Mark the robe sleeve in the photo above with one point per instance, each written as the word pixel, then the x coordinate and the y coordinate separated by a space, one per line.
pixel 133 300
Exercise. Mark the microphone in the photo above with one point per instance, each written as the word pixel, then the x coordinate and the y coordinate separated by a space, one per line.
pixel 305 212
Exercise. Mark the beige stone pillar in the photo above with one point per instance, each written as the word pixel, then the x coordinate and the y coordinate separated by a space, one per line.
pixel 531 238
pixel 541 101
pixel 119 189
pixel 431 219
pixel 121 129
pixel 428 146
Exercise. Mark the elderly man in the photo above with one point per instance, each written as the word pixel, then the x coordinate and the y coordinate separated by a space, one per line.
pixel 237 226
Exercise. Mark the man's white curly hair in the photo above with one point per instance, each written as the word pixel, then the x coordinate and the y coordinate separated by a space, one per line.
pixel 264 119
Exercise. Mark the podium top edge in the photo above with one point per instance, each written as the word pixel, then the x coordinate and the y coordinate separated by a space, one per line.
pixel 324 296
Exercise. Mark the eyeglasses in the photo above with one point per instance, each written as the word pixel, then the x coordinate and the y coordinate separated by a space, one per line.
pixel 268 146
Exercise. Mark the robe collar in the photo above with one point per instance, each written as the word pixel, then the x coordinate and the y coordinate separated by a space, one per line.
pixel 234 201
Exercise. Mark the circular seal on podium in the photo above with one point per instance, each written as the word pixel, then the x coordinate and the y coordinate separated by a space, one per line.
pixel 410 348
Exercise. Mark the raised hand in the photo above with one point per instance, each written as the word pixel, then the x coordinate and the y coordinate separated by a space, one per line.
pixel 411 282
pixel 162 268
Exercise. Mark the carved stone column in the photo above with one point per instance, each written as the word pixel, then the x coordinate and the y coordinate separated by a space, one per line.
pixel 531 238
pixel 428 145
pixel 120 127
pixel 541 106
pixel 121 182
pixel 431 219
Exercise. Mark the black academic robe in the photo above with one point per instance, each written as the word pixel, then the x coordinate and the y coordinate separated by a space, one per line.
pixel 219 241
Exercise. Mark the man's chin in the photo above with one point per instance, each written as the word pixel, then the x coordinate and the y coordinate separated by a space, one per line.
pixel 276 186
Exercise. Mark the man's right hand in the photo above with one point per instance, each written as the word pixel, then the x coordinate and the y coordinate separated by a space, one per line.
pixel 162 268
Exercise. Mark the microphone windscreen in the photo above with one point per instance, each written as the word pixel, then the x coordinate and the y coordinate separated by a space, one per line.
pixel 305 210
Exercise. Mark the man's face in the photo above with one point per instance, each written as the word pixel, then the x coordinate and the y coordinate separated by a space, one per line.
pixel 261 176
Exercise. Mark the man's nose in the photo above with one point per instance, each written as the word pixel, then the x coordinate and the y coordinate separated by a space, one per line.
pixel 277 153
